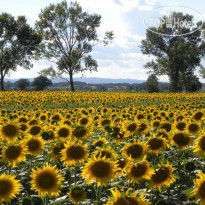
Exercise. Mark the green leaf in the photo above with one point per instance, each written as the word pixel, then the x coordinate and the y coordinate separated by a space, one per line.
pixel 188 191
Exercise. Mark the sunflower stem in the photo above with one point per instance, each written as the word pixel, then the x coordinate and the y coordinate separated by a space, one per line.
pixel 75 175
pixel 9 169
pixel 46 199
pixel 98 195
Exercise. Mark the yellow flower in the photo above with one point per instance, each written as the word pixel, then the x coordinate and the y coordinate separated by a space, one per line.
pixel 34 145
pixel 199 191
pixel 77 194
pixel 46 181
pixel 139 171
pixel 74 153
pixel 100 170
pixel 199 146
pixel 9 188
pixel 182 139
pixel 63 132
pixel 9 132
pixel 13 154
pixel 126 199
pixel 162 177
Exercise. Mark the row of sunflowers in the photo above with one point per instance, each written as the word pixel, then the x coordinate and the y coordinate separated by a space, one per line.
pixel 102 148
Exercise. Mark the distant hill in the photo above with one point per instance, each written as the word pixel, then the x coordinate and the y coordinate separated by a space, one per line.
pixel 92 80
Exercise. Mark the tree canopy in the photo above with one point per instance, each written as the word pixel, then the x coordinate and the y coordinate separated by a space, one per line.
pixel 69 35
pixel 18 43
pixel 174 55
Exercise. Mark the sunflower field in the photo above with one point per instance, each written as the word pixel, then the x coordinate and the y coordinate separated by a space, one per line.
pixel 102 148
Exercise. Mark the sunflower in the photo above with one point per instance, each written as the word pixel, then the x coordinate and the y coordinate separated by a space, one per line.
pixel 199 191
pixel 23 127
pixel 181 126
pixel 182 139
pixel 43 117
pixel 63 132
pixel 142 128
pixel 156 144
pixel 99 142
pixel 14 154
pixel 9 188
pixel 46 181
pixel 55 151
pixel 9 132
pixel 77 194
pixel 130 127
pixel 100 170
pixel 34 145
pixel 198 116
pixel 199 146
pixel 155 123
pixel 34 130
pixel 193 128
pixel 74 153
pixel 80 132
pixel 134 150
pixel 167 126
pixel 106 152
pixel 84 121
pixel 127 198
pixel 140 171
pixel 122 164
pixel 162 177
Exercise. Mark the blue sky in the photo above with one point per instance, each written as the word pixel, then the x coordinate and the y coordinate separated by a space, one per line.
pixel 121 59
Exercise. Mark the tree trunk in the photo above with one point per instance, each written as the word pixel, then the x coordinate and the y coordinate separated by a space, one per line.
pixel 71 82
pixel 2 83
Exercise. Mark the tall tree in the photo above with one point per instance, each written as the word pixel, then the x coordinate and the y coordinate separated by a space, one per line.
pixel 176 56
pixel 41 82
pixel 22 84
pixel 18 43
pixel 69 36
pixel 152 85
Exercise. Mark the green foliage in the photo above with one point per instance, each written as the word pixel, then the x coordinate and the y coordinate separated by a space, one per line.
pixel 69 36
pixel 18 43
pixel 152 84
pixel 22 84
pixel 175 56
pixel 41 82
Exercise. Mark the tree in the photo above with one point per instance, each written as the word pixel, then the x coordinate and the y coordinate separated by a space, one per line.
pixel 176 56
pixel 22 84
pixel 152 85
pixel 69 36
pixel 18 43
pixel 193 84
pixel 41 82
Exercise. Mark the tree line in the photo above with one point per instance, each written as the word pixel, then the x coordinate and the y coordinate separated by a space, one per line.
pixel 66 35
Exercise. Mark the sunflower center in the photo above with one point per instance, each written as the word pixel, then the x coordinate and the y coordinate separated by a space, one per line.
pixel 13 152
pixel 10 130
pixel 139 170
pixel 57 149
pixel 77 192
pixel 63 132
pixel 100 169
pixel 193 127
pixel 198 115
pixel 202 190
pixel 5 187
pixel 126 201
pixel 131 127
pixel 104 154
pixel 83 121
pixel 121 163
pixel 99 143
pixel 46 180
pixel 79 132
pixel 35 130
pixel 33 145
pixel 23 127
pixel 160 175
pixel 142 127
pixel 135 151
pixel 75 152
pixel 167 127
pixel 181 126
pixel 105 122
pixel 202 143
pixel 155 144
pixel 181 139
